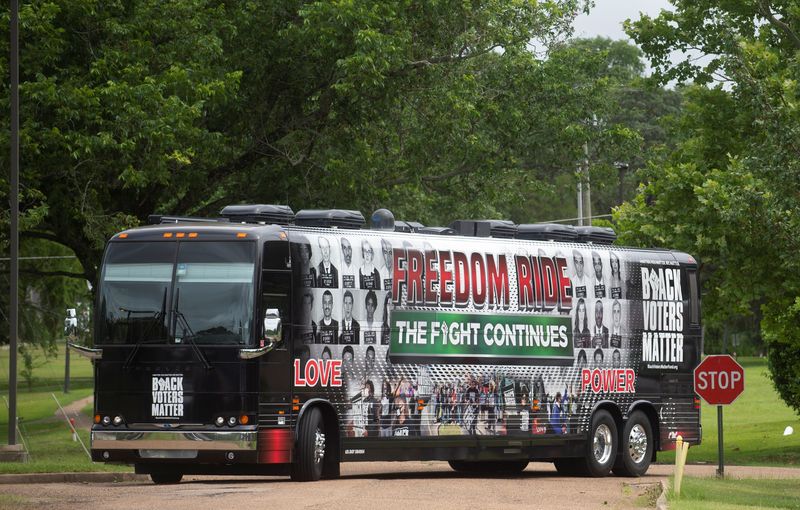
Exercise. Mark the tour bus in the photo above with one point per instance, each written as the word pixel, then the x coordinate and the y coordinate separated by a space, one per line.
pixel 268 342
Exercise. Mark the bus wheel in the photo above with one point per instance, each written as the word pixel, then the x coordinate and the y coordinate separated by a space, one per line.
pixel 465 466
pixel 509 467
pixel 165 478
pixel 637 446
pixel 311 448
pixel 602 445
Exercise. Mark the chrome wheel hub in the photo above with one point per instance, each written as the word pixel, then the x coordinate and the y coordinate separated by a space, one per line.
pixel 601 444
pixel 319 446
pixel 637 443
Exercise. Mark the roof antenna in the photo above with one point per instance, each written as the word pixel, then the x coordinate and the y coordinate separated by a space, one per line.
pixel 382 219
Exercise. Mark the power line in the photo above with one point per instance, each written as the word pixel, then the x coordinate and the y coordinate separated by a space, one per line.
pixel 6 259
pixel 573 219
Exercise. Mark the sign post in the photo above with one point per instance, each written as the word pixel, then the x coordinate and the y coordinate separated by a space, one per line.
pixel 719 380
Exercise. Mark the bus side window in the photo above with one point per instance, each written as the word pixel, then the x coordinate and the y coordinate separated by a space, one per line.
pixel 276 283
pixel 694 297
pixel 275 287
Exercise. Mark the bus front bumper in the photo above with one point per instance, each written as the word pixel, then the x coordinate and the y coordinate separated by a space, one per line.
pixel 205 446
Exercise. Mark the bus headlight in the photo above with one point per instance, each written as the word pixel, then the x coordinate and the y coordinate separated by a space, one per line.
pixel 232 421
pixel 106 420
pixel 117 421
pixel 220 421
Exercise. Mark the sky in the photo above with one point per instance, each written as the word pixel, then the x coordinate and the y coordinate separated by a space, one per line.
pixel 606 17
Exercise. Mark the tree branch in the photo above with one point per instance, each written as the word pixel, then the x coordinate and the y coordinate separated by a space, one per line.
pixel 462 55
pixel 766 10
pixel 33 234
pixel 68 274
pixel 461 170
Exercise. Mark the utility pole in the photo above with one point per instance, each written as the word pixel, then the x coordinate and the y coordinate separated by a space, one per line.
pixel 14 202
pixel 580 196
pixel 588 183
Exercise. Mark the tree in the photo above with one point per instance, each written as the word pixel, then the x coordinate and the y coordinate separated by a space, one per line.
pixel 622 120
pixel 127 111
pixel 729 192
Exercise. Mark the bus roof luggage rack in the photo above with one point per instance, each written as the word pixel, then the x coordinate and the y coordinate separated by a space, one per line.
pixel 596 235
pixel 407 226
pixel 547 232
pixel 258 213
pixel 339 218
pixel 485 228
pixel 439 231
pixel 157 219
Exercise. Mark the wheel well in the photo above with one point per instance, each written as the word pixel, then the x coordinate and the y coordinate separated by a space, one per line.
pixel 650 411
pixel 331 421
pixel 613 410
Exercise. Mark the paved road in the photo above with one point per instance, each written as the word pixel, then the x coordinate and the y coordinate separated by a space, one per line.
pixel 381 485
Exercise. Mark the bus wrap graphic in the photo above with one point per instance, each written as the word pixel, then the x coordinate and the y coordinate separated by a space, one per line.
pixel 470 335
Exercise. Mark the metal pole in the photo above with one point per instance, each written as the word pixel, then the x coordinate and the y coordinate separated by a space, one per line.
pixel 66 366
pixel 725 338
pixel 14 199
pixel 580 196
pixel 588 184
pixel 721 468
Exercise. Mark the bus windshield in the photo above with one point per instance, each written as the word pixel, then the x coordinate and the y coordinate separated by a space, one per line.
pixel 213 298
pixel 167 292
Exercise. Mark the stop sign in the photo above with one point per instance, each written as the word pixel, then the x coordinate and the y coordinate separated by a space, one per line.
pixel 719 379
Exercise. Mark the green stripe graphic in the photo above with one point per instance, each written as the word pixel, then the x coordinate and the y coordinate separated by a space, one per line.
pixel 453 334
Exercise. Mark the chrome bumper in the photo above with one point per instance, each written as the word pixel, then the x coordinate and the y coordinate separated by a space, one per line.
pixel 159 440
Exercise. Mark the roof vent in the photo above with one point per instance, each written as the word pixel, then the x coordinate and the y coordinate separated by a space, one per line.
pixel 547 232
pixel 439 231
pixel 338 218
pixel 407 226
pixel 485 228
pixel 596 235
pixel 258 213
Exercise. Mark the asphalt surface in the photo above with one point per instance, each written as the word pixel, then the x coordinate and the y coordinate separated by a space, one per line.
pixel 381 485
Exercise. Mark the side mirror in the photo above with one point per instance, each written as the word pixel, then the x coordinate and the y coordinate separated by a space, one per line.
pixel 273 334
pixel 273 328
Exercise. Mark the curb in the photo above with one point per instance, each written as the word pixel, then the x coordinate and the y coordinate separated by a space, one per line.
pixel 90 477
pixel 661 502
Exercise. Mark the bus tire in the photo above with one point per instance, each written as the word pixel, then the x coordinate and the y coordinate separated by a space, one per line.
pixel 465 466
pixel 601 448
pixel 637 446
pixel 166 478
pixel 510 467
pixel 312 447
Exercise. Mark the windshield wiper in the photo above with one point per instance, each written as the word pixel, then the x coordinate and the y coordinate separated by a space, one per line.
pixel 190 338
pixel 157 316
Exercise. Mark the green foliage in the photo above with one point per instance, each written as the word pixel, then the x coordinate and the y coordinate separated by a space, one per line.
pixel 782 334
pixel 28 364
pixel 754 425
pixel 133 108
pixel 728 192
pixel 127 111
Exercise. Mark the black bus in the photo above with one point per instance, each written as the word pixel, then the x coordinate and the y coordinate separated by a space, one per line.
pixel 274 343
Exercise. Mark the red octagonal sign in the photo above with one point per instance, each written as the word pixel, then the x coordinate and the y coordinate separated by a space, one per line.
pixel 719 379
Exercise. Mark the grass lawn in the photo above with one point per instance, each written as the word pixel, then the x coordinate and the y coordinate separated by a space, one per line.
pixel 47 435
pixel 733 494
pixel 753 426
